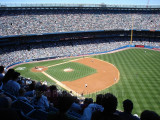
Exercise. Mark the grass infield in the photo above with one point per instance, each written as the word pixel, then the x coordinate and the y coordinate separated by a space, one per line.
pixel 139 77
pixel 79 71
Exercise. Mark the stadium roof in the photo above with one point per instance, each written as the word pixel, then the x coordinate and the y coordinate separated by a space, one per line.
pixel 75 5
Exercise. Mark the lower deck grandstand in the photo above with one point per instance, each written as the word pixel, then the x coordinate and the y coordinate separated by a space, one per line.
pixel 13 54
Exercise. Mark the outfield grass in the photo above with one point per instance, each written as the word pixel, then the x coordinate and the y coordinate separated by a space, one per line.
pixel 139 77
pixel 79 71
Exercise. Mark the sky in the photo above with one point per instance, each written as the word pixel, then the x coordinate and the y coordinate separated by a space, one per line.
pixel 110 2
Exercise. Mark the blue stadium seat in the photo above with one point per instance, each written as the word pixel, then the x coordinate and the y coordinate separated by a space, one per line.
pixel 9 95
pixel 37 114
pixel 23 106
pixel 72 114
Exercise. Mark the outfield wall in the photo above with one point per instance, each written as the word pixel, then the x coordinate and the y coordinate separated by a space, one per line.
pixel 59 57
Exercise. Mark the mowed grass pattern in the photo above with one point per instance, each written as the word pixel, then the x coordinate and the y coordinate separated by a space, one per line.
pixel 139 78
pixel 36 75
pixel 79 71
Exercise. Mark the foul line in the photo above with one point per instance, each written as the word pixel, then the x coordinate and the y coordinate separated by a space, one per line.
pixel 61 84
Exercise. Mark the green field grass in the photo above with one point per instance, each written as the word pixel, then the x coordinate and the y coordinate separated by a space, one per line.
pixel 79 71
pixel 139 77
pixel 38 76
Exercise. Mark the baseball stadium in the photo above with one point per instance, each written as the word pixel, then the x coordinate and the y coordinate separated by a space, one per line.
pixel 83 50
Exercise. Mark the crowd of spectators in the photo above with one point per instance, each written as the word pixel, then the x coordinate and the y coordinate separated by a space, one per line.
pixel 50 21
pixel 58 104
pixel 13 54
pixel 53 104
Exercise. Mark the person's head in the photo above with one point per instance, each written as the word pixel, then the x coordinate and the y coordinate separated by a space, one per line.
pixel 99 99
pixel 10 72
pixel 15 75
pixel 64 102
pixel 86 100
pixel 38 84
pixel 43 88
pixel 52 88
pixel 90 100
pixel 109 102
pixel 8 76
pixel 40 90
pixel 149 115
pixel 127 105
pixel 1 69
pixel 32 86
pixel 76 100
pixel 21 91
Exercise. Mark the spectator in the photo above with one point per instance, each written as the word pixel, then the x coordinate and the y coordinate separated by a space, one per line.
pixel 12 86
pixel 93 107
pixel 76 107
pixel 109 102
pixel 64 103
pixel 21 95
pixel 99 99
pixel 87 101
pixel 52 95
pixel 40 101
pixel 127 114
pixel 8 76
pixel 30 90
pixel 149 115
pixel 1 76
pixel 1 72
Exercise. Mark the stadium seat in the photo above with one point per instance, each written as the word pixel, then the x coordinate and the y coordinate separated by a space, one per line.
pixel 37 114
pixel 9 95
pixel 23 106
pixel 72 114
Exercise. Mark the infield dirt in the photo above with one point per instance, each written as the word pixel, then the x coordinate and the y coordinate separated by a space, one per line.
pixel 107 75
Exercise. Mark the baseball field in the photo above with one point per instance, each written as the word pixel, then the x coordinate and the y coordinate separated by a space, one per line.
pixel 129 74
